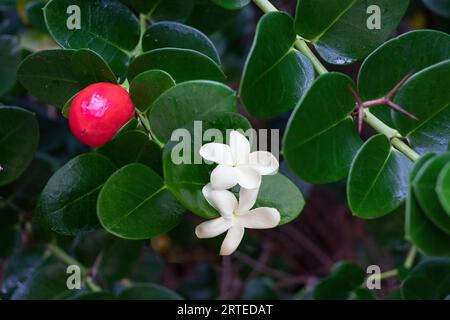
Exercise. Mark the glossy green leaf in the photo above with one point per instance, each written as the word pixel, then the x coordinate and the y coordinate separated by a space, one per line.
pixel 232 4
pixel 10 55
pixel 378 179
pixel 19 137
pixel 181 64
pixel 418 228
pixel 46 283
pixel 321 140
pixel 135 204
pixel 424 186
pixel 340 29
pixel 176 35
pixel 167 10
pixel 189 101
pixel 429 280
pixel 274 80
pixel 345 277
pixel 148 86
pixel 185 173
pixel 443 188
pixel 68 202
pixel 440 7
pixel 131 147
pixel 279 192
pixel 148 291
pixel 55 76
pixel 106 26
pixel 427 97
pixel 399 56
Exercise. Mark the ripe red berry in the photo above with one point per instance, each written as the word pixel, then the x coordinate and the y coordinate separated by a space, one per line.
pixel 98 112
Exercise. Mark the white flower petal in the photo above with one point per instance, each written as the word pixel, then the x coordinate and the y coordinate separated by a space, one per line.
pixel 248 177
pixel 217 152
pixel 264 162
pixel 240 147
pixel 260 218
pixel 224 177
pixel 213 228
pixel 247 198
pixel 223 200
pixel 232 240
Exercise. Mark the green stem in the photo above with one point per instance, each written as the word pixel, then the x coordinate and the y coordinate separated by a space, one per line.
pixel 392 134
pixel 143 27
pixel 147 127
pixel 64 257
pixel 410 258
pixel 92 285
pixel 389 274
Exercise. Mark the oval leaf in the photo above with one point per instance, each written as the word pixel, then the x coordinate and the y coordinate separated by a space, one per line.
pixel 10 55
pixel 105 26
pixel 321 139
pixel 424 186
pixel 232 4
pixel 399 56
pixel 181 64
pixel 274 80
pixel 427 97
pixel 340 29
pixel 177 35
pixel 135 204
pixel 19 138
pixel 68 201
pixel 187 102
pixel 148 291
pixel 55 76
pixel 443 188
pixel 378 180
pixel 148 86
pixel 418 228
pixel 430 280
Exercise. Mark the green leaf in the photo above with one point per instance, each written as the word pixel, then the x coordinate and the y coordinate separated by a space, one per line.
pixel 232 4
pixel 430 280
pixel 321 140
pixel 181 64
pixel 279 192
pixel 148 291
pixel 135 204
pixel 339 29
pixel 106 26
pixel 10 54
pixel 443 188
pixel 440 7
pixel 19 137
pixel 167 10
pixel 148 86
pixel 68 201
pixel 274 80
pixel 131 147
pixel 378 180
pixel 345 277
pixel 427 97
pixel 189 101
pixel 210 18
pixel 424 186
pixel 184 171
pixel 176 35
pixel 418 228
pixel 55 76
pixel 399 56
pixel 48 282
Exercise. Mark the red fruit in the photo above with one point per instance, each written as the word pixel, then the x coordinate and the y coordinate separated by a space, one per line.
pixel 98 112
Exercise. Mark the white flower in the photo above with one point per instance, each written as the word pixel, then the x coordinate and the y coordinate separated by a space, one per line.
pixel 235 217
pixel 236 164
